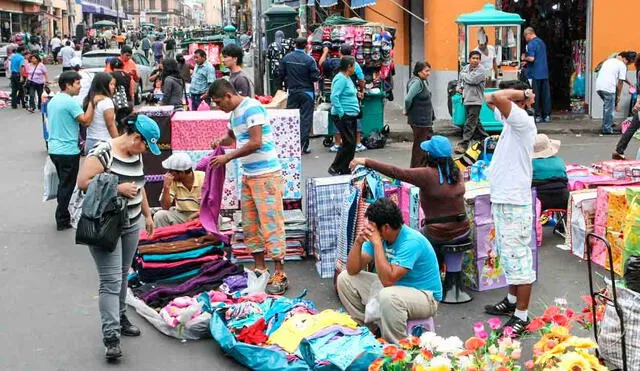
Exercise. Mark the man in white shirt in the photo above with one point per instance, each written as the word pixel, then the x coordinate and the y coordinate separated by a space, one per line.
pixel 56 45
pixel 488 61
pixel 510 175
pixel 67 54
pixel 609 86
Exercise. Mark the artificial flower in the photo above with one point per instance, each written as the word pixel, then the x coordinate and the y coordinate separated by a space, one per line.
pixel 400 355
pixel 561 320
pixel 507 331
pixel 427 355
pixel 474 343
pixel 580 343
pixel 390 350
pixel 536 324
pixel 404 344
pixel 494 323
pixel 571 361
pixel 439 368
pixel 414 341
pixel 483 335
pixel 502 368
pixel 550 312
pixel 477 327
pixel 376 365
pixel 529 364
pixel 418 367
pixel 492 349
pixel 516 354
pixel 429 340
pixel 441 361
pixel 450 345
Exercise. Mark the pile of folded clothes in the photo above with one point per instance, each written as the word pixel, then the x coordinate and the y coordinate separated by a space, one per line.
pixel 295 225
pixel 175 253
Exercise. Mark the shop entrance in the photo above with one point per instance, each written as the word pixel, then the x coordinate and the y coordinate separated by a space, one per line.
pixel 562 25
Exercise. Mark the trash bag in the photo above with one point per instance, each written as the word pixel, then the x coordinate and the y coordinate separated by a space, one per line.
pixel 632 273
pixel 377 138
pixel 255 283
pixel 50 181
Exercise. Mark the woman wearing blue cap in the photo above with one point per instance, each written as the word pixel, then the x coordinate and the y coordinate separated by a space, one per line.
pixel 441 189
pixel 121 156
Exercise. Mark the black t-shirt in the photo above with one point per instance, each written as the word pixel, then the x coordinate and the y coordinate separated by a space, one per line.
pixel 123 79
pixel 171 44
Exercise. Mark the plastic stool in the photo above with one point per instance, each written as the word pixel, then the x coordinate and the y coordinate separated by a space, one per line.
pixel 416 326
pixel 453 252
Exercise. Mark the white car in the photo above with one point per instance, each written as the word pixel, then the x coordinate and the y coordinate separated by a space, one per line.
pixel 94 61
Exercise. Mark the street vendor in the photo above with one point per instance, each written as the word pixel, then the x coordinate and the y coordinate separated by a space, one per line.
pixel 441 189
pixel 407 278
pixel 181 191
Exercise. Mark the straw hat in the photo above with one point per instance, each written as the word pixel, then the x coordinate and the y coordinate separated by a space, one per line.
pixel 545 147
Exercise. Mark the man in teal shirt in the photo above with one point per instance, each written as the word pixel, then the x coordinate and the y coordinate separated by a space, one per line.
pixel 65 117
pixel 17 67
pixel 407 279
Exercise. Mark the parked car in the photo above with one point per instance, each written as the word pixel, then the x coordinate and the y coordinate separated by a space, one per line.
pixel 96 59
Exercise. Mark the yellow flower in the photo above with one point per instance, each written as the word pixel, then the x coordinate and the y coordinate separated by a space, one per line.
pixel 580 343
pixel 439 368
pixel 592 359
pixel 573 360
pixel 418 367
pixel 560 333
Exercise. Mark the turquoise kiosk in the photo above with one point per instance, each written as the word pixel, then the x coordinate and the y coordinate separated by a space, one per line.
pixel 506 40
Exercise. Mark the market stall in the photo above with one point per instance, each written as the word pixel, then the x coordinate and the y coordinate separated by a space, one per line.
pixel 493 27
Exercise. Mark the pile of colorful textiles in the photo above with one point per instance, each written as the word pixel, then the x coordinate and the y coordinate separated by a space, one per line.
pixel 286 334
pixel 174 253
pixel 295 225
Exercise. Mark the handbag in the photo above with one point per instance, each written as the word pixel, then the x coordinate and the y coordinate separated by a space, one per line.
pixel 105 230
pixel 120 99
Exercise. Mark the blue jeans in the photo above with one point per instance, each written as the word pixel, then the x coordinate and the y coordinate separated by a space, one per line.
pixel 608 110
pixel 542 105
pixel 196 99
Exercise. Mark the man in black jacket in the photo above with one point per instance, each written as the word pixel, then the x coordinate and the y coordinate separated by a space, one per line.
pixel 300 72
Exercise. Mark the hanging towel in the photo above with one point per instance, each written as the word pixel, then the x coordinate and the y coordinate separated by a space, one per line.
pixel 212 194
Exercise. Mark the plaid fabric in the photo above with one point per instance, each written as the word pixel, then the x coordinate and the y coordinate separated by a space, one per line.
pixel 609 340
pixel 325 198
pixel 346 230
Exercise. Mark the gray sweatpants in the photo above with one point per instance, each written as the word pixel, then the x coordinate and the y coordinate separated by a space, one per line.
pixel 165 218
pixel 113 268
pixel 397 303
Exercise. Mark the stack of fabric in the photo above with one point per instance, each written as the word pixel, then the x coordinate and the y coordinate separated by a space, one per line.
pixel 175 253
pixel 295 230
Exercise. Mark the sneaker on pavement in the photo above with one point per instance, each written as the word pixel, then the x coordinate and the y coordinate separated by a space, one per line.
pixel 112 348
pixel 518 326
pixel 618 156
pixel 278 284
pixel 360 148
pixel 539 120
pixel 547 119
pixel 503 308
pixel 334 148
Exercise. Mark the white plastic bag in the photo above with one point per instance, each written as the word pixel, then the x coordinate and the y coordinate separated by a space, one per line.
pixel 50 181
pixel 75 206
pixel 320 122
pixel 372 308
pixel 255 283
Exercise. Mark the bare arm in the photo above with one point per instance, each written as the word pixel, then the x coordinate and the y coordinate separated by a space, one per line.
pixel 110 120
pixel 166 201
pixel 502 100
pixel 416 176
pixel 357 259
pixel 254 143
pixel 146 211
pixel 388 273
pixel 89 169
pixel 86 118
pixel 323 58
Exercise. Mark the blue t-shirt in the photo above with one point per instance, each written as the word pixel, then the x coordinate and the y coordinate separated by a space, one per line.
pixel 412 251
pixel 62 111
pixel 17 60
pixel 538 69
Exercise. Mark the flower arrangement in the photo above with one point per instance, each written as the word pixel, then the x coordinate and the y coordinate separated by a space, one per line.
pixel 492 350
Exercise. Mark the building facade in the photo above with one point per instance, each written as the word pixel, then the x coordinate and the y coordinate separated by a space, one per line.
pixel 162 13
pixel 213 12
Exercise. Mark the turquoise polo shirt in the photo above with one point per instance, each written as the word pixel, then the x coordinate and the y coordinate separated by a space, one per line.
pixel 64 129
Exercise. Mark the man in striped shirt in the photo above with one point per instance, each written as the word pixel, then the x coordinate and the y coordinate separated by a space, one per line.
pixel 262 183
pixel 181 192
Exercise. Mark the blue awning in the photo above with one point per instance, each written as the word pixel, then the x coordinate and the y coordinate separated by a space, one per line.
pixel 90 8
pixel 361 3
pixel 327 3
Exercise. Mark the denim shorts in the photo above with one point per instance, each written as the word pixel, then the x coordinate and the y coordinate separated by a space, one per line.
pixel 514 224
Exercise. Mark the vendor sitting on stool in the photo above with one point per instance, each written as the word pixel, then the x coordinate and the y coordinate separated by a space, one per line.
pixel 182 188
pixel 549 174
pixel 406 269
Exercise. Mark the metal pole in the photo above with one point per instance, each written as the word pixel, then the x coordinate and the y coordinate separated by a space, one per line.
pixel 258 76
pixel 118 14
pixel 302 14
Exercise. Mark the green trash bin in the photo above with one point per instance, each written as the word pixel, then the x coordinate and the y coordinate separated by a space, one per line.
pixel 488 120
pixel 372 112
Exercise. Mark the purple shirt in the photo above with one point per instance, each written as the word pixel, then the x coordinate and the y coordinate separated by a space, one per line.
pixel 39 75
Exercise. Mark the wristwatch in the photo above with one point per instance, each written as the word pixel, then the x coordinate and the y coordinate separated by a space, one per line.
pixel 527 94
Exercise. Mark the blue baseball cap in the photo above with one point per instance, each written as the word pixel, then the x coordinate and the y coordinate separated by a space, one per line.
pixel 438 146
pixel 150 132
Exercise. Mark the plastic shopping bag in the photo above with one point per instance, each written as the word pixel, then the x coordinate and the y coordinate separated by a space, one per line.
pixel 372 308
pixel 50 181
pixel 75 206
pixel 321 122
pixel 255 283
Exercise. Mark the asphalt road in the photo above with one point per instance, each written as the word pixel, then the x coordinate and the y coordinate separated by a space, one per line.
pixel 50 319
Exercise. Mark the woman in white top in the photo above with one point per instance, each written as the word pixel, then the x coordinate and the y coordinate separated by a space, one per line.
pixel 103 127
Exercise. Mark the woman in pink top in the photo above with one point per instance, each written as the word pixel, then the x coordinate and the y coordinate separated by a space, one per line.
pixel 36 78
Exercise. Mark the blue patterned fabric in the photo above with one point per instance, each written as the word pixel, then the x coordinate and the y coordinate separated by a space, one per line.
pixel 347 228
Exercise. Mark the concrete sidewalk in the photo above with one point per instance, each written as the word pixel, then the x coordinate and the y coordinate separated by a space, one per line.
pixel 559 125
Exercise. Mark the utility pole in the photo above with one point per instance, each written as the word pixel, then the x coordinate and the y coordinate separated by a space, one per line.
pixel 302 14
pixel 258 60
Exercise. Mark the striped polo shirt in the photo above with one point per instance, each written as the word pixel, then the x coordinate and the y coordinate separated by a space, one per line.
pixel 265 160
pixel 187 200
pixel 128 169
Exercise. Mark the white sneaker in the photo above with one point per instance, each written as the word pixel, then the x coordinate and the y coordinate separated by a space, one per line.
pixel 334 148
pixel 360 148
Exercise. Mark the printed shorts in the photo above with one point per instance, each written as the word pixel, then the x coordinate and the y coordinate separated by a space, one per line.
pixel 514 225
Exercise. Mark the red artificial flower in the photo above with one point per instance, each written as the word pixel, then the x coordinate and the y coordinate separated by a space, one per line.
pixel 414 341
pixel 550 312
pixel 502 368
pixel 529 365
pixel 561 320
pixel 570 313
pixel 588 300
pixel 427 355
pixel 404 343
pixel 536 324
pixel 474 343
pixel 390 350
pixel 399 356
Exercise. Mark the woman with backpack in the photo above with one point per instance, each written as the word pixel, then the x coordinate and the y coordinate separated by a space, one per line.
pixel 37 77
pixel 122 99
pixel 418 107
pixel 103 127
pixel 173 87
